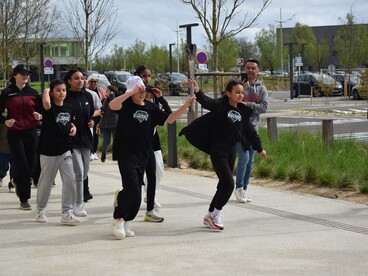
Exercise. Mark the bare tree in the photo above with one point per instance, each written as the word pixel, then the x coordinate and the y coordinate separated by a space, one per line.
pixel 216 16
pixel 11 22
pixel 40 19
pixel 94 23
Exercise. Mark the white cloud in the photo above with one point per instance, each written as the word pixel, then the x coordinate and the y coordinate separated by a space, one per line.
pixel 155 21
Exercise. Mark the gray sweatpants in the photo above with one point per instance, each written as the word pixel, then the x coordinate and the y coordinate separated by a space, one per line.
pixel 81 159
pixel 49 168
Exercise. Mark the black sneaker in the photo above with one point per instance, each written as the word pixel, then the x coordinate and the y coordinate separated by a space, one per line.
pixel 11 187
pixel 87 196
pixel 103 157
pixel 24 205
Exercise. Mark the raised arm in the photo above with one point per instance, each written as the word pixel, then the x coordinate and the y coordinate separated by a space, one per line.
pixel 116 103
pixel 173 116
pixel 46 101
pixel 205 101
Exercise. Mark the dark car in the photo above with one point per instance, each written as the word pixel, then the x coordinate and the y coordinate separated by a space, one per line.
pixel 351 81
pixel 118 78
pixel 175 84
pixel 319 84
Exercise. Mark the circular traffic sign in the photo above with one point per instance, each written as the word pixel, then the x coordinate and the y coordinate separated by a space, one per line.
pixel 202 57
pixel 48 62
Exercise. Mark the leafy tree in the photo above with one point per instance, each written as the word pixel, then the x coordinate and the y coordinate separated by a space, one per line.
pixel 158 59
pixel 136 55
pixel 268 49
pixel 319 53
pixel 347 44
pixel 94 23
pixel 304 37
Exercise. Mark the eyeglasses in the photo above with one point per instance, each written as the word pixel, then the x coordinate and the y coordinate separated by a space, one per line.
pixel 92 81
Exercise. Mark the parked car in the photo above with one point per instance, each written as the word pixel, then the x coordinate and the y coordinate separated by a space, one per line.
pixel 118 78
pixel 175 84
pixel 319 83
pixel 360 92
pixel 351 80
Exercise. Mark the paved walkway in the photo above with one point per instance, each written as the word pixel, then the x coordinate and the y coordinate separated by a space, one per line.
pixel 280 233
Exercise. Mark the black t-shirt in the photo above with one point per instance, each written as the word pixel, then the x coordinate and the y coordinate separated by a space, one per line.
pixel 55 128
pixel 133 137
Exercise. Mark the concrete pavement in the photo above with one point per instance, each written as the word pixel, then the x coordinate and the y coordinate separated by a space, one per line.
pixel 279 233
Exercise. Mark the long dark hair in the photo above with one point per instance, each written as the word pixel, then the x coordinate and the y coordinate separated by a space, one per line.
pixel 140 69
pixel 69 75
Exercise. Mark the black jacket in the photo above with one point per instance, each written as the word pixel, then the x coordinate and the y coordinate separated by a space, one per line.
pixel 199 132
pixel 83 109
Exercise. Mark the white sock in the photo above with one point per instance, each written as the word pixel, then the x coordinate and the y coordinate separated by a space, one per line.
pixel 215 212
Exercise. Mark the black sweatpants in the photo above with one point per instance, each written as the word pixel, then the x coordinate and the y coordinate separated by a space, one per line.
pixel 223 163
pixel 129 199
pixel 23 145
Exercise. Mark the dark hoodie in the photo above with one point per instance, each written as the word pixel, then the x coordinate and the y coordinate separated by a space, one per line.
pixel 82 106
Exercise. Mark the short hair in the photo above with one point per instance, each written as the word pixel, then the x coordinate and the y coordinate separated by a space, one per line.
pixel 55 83
pixel 252 60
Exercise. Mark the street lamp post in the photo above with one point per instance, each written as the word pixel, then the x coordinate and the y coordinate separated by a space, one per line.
pixel 191 54
pixel 171 130
pixel 170 56
pixel 42 73
pixel 291 74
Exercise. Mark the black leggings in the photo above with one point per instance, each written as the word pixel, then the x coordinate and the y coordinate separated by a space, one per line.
pixel 223 164
pixel 151 181
pixel 129 199
pixel 23 145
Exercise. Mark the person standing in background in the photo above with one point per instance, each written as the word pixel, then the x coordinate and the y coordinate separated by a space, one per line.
pixel 93 86
pixel 109 120
pixel 6 160
pixel 256 98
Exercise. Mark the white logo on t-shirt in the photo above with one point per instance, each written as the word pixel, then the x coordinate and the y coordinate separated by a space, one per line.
pixel 140 115
pixel 63 118
pixel 234 116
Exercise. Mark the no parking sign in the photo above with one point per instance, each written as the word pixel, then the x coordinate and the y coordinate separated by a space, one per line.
pixel 202 57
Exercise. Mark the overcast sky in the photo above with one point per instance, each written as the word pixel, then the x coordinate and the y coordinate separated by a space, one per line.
pixel 155 21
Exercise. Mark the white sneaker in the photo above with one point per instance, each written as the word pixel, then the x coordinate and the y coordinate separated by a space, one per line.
pixel 118 228
pixel 68 218
pixel 41 216
pixel 91 158
pixel 247 198
pixel 239 194
pixel 79 210
pixel 128 232
pixel 95 157
pixel 213 221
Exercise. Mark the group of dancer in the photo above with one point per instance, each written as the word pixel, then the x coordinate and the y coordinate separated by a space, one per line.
pixel 65 114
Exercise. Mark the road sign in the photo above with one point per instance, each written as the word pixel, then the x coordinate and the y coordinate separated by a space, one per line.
pixel 240 61
pixel 48 63
pixel 202 66
pixel 202 57
pixel 48 70
pixel 298 61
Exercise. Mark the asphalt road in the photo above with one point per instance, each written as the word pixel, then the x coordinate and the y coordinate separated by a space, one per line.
pixel 349 116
